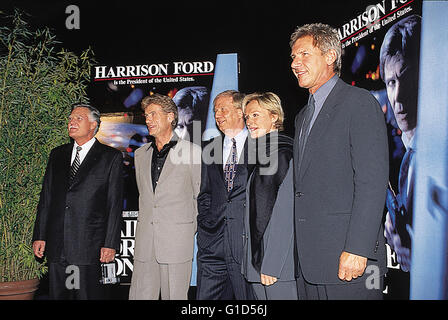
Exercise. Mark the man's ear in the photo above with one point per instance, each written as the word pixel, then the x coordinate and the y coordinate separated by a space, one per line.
pixel 240 113
pixel 93 125
pixel 331 57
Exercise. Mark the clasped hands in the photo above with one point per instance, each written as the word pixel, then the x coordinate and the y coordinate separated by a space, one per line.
pixel 106 255
pixel 351 266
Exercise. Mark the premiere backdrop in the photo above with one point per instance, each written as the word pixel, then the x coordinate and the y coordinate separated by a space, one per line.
pixel 193 50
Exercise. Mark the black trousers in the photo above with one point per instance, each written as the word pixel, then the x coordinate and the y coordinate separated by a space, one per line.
pixel 219 274
pixel 75 282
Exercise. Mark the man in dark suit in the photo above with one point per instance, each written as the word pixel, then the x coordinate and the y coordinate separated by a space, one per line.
pixel 340 177
pixel 78 218
pixel 221 205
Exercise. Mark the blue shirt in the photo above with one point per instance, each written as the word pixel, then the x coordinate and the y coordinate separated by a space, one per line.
pixel 321 95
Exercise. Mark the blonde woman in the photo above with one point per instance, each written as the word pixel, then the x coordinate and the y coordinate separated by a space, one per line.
pixel 269 247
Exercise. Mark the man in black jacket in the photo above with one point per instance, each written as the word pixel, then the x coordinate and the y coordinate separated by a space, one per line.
pixel 78 218
pixel 221 205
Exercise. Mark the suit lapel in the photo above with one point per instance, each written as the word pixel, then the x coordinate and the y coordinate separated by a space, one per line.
pixel 298 126
pixel 146 162
pixel 64 164
pixel 168 166
pixel 242 160
pixel 323 119
pixel 219 144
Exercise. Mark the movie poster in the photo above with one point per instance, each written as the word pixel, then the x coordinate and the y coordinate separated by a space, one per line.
pixel 381 48
pixel 118 91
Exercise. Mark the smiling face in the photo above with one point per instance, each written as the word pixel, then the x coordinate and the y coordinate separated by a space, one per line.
pixel 228 118
pixel 158 122
pixel 402 88
pixel 311 67
pixel 80 126
pixel 259 121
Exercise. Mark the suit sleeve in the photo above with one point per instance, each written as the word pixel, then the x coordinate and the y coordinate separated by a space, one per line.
pixel 114 203
pixel 43 207
pixel 369 157
pixel 204 196
pixel 196 176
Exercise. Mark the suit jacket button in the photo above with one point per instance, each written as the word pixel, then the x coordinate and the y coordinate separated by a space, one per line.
pixel 229 201
pixel 299 194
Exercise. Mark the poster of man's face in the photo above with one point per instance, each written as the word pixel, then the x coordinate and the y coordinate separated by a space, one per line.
pixel 399 66
pixel 192 105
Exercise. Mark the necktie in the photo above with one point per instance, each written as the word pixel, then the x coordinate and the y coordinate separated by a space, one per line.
pixel 230 167
pixel 403 179
pixel 306 126
pixel 76 163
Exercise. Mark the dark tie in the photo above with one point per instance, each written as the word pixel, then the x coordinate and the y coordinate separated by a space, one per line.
pixel 403 177
pixel 230 167
pixel 75 165
pixel 306 126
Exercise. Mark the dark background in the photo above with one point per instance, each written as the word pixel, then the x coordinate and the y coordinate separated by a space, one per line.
pixel 127 32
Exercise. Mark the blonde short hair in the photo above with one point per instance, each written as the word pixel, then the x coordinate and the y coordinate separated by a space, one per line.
pixel 270 102
pixel 237 97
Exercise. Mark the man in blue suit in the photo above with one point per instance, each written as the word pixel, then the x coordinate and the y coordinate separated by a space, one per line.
pixel 221 205
pixel 340 176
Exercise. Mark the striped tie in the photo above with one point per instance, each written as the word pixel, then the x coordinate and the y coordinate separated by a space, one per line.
pixel 75 165
pixel 230 167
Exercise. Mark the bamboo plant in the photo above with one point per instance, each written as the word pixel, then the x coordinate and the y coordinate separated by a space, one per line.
pixel 38 83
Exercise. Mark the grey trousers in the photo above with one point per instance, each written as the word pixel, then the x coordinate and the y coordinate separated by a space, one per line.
pixel 151 279
pixel 281 290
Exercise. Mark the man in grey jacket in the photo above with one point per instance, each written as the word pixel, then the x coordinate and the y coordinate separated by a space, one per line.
pixel 340 176
pixel 168 172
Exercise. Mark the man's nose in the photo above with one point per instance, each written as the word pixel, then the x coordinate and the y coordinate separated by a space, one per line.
pixel 400 95
pixel 296 62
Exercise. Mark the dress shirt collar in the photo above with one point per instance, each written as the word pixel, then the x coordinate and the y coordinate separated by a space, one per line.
pixel 322 93
pixel 165 149
pixel 408 143
pixel 240 139
pixel 85 149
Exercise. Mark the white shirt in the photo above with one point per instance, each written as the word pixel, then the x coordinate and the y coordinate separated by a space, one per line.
pixel 83 153
pixel 240 139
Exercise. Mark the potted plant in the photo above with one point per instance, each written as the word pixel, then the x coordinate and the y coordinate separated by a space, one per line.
pixel 37 87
